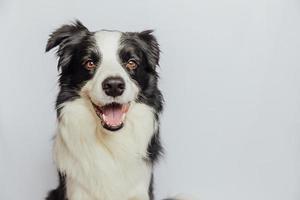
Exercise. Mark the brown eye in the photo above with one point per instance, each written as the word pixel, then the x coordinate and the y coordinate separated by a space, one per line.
pixel 131 64
pixel 89 65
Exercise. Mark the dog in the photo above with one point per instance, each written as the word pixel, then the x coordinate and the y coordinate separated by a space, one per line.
pixel 108 109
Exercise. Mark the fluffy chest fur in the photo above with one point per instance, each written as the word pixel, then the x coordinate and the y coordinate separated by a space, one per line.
pixel 102 166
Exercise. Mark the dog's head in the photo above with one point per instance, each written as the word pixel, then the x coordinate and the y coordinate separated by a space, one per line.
pixel 110 68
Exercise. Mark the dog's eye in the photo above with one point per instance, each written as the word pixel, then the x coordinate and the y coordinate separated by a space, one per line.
pixel 89 64
pixel 131 64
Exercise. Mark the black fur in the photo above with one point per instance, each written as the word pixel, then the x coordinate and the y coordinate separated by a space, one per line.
pixel 144 47
pixel 150 189
pixel 60 192
pixel 155 149
pixel 75 45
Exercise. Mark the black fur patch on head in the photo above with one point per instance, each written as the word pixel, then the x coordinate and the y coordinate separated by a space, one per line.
pixel 143 48
pixel 76 44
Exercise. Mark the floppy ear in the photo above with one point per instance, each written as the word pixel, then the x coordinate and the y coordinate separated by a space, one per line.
pixel 153 50
pixel 66 37
pixel 61 34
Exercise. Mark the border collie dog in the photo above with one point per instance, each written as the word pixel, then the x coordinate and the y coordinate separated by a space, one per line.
pixel 108 108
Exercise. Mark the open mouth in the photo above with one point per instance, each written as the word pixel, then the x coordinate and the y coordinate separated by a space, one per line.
pixel 112 115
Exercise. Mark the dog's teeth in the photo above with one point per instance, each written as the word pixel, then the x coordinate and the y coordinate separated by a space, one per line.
pixel 103 117
pixel 123 117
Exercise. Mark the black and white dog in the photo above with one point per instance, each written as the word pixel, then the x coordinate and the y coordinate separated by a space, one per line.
pixel 108 110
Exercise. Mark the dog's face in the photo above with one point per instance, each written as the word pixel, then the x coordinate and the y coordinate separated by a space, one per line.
pixel 110 68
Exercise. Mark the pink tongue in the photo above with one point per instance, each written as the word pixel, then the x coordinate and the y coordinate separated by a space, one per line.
pixel 113 115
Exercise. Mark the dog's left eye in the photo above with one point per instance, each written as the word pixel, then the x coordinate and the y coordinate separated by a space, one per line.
pixel 89 64
pixel 131 64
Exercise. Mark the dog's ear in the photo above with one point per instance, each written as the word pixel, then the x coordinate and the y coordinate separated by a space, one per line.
pixel 153 50
pixel 60 35
pixel 66 37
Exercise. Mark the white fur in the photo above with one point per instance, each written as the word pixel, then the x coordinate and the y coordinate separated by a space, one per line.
pixel 100 165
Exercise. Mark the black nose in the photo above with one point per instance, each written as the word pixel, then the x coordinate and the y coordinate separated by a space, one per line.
pixel 113 86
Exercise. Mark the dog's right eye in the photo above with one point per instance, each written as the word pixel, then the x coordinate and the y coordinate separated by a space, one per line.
pixel 131 64
pixel 89 65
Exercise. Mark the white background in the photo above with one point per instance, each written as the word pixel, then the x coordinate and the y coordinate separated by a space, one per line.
pixel 229 72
